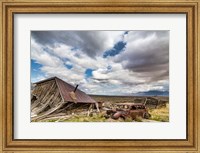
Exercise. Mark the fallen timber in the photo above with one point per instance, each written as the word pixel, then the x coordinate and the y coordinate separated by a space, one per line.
pixel 53 95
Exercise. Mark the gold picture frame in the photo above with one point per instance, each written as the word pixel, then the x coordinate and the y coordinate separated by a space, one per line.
pixel 10 7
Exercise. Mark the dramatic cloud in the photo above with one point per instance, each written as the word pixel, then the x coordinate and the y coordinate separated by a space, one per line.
pixel 147 52
pixel 91 43
pixel 103 62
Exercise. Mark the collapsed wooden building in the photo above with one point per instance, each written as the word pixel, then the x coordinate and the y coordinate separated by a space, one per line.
pixel 53 96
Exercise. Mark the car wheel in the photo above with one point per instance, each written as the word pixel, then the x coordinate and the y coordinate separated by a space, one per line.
pixel 147 115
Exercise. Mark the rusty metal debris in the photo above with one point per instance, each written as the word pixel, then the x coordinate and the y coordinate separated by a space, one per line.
pixel 129 110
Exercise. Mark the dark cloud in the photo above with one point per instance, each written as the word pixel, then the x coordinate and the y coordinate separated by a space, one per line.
pixel 91 42
pixel 147 52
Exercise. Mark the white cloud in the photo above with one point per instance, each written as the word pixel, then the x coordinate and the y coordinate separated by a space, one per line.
pixel 42 57
pixel 63 73
pixel 142 66
pixel 37 78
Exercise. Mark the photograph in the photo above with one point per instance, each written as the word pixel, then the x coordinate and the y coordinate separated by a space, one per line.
pixel 99 76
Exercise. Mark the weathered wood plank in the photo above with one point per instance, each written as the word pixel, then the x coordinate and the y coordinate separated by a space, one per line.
pixel 43 115
pixel 49 101
pixel 44 94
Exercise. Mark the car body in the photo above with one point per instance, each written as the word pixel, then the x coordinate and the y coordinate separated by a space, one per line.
pixel 131 110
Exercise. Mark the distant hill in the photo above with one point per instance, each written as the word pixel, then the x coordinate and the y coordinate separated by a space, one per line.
pixel 152 93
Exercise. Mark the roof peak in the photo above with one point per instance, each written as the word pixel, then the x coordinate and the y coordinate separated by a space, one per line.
pixel 48 79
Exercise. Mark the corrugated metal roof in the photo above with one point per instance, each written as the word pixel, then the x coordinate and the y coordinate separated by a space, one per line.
pixel 65 90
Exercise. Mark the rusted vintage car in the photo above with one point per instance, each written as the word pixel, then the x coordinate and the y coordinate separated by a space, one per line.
pixel 131 110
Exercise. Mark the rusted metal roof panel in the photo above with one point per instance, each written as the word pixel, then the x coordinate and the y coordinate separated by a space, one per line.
pixel 65 90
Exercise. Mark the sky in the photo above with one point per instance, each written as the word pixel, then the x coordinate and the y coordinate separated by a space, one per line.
pixel 103 62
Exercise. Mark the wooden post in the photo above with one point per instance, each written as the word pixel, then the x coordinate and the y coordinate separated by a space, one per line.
pixel 97 106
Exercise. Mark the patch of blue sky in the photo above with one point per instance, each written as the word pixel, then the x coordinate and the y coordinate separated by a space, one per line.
pixel 88 73
pixel 118 47
pixel 69 66
pixel 35 69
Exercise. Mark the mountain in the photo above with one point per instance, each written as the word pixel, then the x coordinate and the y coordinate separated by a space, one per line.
pixel 152 93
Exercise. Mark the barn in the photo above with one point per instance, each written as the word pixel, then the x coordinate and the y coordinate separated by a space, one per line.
pixel 53 96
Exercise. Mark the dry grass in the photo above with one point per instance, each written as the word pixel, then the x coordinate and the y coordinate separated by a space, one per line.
pixel 85 118
pixel 160 114
pixel 138 119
